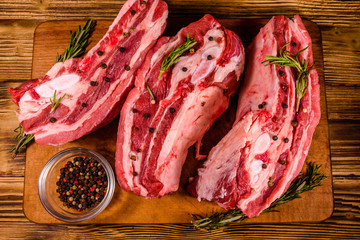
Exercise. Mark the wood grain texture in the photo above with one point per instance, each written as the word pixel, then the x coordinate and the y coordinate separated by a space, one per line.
pixel 175 208
pixel 339 22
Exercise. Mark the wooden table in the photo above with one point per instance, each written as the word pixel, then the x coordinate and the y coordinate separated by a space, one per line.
pixel 339 22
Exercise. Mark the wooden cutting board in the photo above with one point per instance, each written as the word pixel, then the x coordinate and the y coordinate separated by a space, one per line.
pixel 126 208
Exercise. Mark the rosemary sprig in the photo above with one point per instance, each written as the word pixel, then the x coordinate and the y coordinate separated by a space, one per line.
pixel 55 103
pixel 22 139
pixel 76 48
pixel 176 53
pixel 306 182
pixel 287 58
pixel 153 101
pixel 78 42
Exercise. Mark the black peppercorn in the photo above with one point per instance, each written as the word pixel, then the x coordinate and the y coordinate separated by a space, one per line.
pixel 151 130
pixel 143 2
pixel 93 83
pixel 294 123
pixel 209 57
pixel 134 110
pixel 275 138
pixel 264 166
pixel 172 110
pixel 184 69
pixel 285 105
pixel 260 106
pixel 146 115
pixel 286 140
pixel 133 12
pixel 211 38
pixel 52 119
pixel 293 44
pixel 103 65
pixel 122 49
pixel 83 105
pixel 100 53
pixel 127 68
pixel 281 73
pixel 135 174
pixel 107 79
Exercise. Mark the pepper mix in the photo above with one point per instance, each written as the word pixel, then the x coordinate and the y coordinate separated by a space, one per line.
pixel 82 183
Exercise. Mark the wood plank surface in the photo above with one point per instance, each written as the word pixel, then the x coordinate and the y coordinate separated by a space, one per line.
pixel 174 208
pixel 339 22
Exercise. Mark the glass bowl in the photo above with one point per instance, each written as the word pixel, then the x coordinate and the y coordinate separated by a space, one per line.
pixel 47 186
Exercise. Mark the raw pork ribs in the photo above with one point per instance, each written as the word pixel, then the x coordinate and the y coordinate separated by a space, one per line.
pixel 256 161
pixel 153 139
pixel 97 84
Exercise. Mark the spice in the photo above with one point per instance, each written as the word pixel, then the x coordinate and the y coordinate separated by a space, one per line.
pixel 211 38
pixel 264 166
pixel 100 53
pixel 275 138
pixel 151 130
pixel 134 110
pixel 127 68
pixel 172 110
pixel 294 123
pixel 146 115
pixel 143 2
pixel 52 119
pixel 122 49
pixel 82 183
pixel 293 44
pixel 184 69
pixel 125 34
pixel 286 140
pixel 92 83
pixel 133 157
pixel 103 66
pixel 209 57
pixel 281 73
pixel 260 106
pixel 83 105
pixel 285 106
pixel 107 79
pixel 135 174
pixel 133 12
pixel 282 162
pixel 131 30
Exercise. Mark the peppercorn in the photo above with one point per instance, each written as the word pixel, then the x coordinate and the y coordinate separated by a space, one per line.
pixel 100 53
pixel 184 69
pixel 281 73
pixel 294 123
pixel 285 106
pixel 52 120
pixel 209 57
pixel 260 106
pixel 151 130
pixel 211 38
pixel 293 44
pixel 133 12
pixel 264 166
pixel 103 65
pixel 127 68
pixel 286 140
pixel 107 79
pixel 122 49
pixel 172 110
pixel 92 83
pixel 146 115
pixel 275 138
pixel 134 110
pixel 78 191
pixel 83 104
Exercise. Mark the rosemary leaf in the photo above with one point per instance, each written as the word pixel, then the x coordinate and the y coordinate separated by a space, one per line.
pixel 287 58
pixel 153 101
pixel 78 42
pixel 304 183
pixel 176 53
pixel 22 138
pixel 55 103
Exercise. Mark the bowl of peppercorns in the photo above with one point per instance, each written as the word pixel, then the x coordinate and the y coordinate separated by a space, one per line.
pixel 76 184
